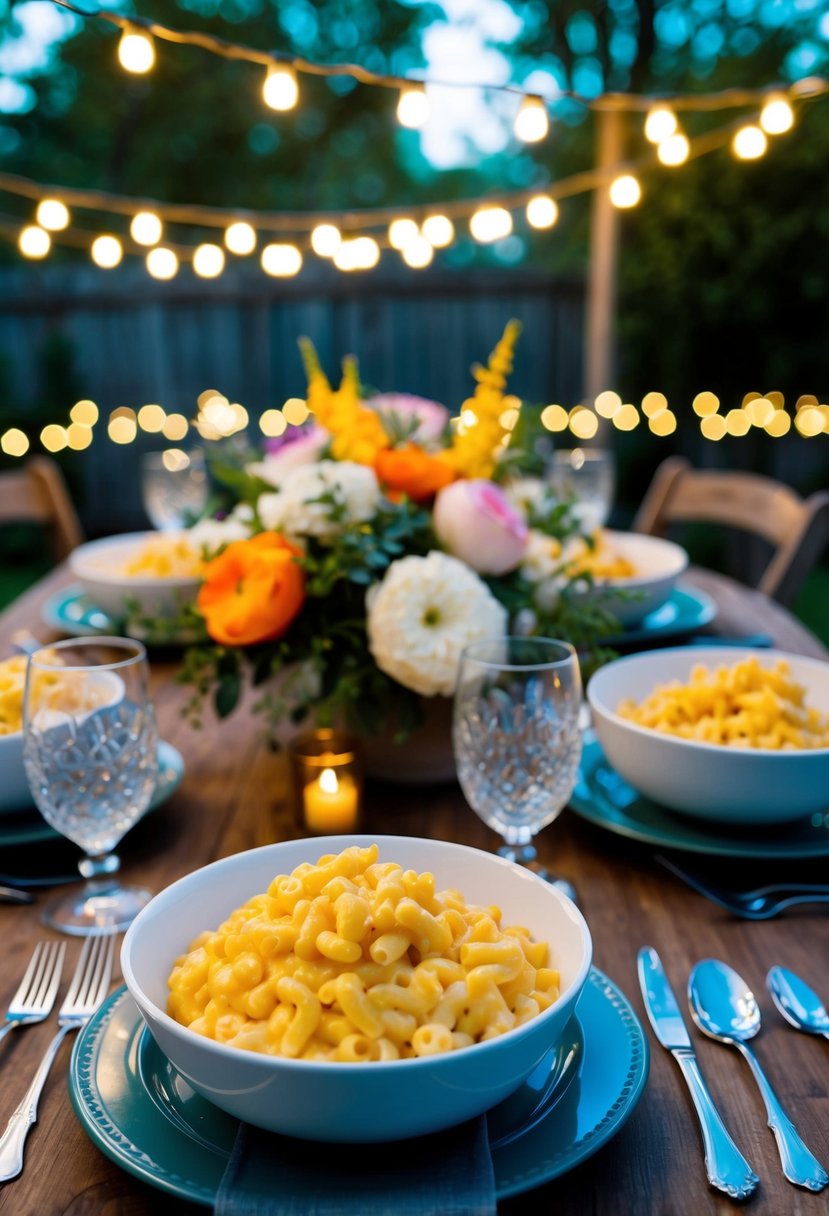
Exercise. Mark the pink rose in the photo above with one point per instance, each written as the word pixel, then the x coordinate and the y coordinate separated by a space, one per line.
pixel 431 417
pixel 475 521
pixel 305 447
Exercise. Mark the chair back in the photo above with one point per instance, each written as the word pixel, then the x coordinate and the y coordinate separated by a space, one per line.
pixel 36 493
pixel 797 529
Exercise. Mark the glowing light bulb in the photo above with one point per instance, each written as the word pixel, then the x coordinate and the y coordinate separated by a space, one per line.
pixel 402 232
pixel 583 422
pixel 52 214
pixel 749 143
pixel 106 251
pixel 146 228
pixel 417 253
pixel 34 242
pixel 281 261
pixel 438 230
pixel 705 404
pixel 162 263
pixel 532 122
pixel 326 240
pixel 776 116
pixel 542 211
pixel 555 418
pixel 674 150
pixel 54 438
pixel 358 253
pixel 175 427
pixel 625 191
pixel 653 404
pixel 14 442
pixel 84 412
pixel 208 261
pixel 272 423
pixel 240 238
pixel 281 90
pixel 607 404
pixel 663 422
pixel 660 124
pixel 78 436
pixel 136 51
pixel 151 418
pixel 412 106
pixel 490 224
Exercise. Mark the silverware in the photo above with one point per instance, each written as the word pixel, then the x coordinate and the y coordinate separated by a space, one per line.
pixel 797 1002
pixel 13 895
pixel 725 1165
pixel 36 994
pixel 761 903
pixel 724 1008
pixel 88 988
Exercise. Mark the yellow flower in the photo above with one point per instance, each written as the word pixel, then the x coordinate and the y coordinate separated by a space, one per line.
pixel 479 433
pixel 357 432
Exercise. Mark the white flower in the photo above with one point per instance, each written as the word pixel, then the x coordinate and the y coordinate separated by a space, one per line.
pixel 296 512
pixel 422 614
pixel 525 493
pixel 543 566
pixel 305 448
pixel 210 535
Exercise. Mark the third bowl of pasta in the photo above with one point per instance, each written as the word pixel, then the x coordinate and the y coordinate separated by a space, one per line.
pixel 357 989
pixel 140 574
pixel 720 733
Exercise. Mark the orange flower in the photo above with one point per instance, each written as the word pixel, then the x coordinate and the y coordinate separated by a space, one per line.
pixel 412 471
pixel 252 591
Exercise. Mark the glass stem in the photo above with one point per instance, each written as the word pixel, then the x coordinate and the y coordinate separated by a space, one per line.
pixel 96 865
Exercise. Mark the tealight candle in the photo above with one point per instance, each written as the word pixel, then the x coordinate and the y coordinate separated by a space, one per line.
pixel 328 783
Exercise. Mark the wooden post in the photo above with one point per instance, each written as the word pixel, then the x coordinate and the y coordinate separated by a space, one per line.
pixel 600 330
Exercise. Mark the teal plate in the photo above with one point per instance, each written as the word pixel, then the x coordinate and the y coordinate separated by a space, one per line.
pixel 71 611
pixel 26 825
pixel 139 1111
pixel 685 610
pixel 604 798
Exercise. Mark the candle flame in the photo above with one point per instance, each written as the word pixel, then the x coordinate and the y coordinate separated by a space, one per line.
pixel 328 781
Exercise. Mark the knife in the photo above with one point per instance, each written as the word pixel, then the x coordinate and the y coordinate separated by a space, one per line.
pixel 11 895
pixel 725 1165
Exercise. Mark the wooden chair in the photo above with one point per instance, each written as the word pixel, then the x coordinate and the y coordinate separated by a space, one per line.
pixel 797 529
pixel 37 494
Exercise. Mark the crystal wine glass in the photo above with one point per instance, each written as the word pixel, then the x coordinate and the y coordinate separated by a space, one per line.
pixel 89 750
pixel 174 487
pixel 516 735
pixel 587 476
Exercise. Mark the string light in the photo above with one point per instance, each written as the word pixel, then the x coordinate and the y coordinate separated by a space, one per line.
pixel 175 427
pixel 122 427
pixel 662 423
pixel 749 143
pixel 326 240
pixel 78 436
pixel 532 122
pixel 402 232
pixel 281 88
pixel 438 230
pixel 146 228
pixel 34 242
pixel 490 224
pixel 208 261
pixel 654 403
pixel 776 116
pixel 162 263
pixel 737 422
pixel 54 437
pixel 660 124
pixel 674 150
pixel 151 418
pixel 607 404
pixel 555 418
pixel 85 412
pixel 14 442
pixel 272 424
pixel 625 191
pixel 281 261
pixel 760 411
pixel 542 211
pixel 357 253
pixel 295 411
pixel 713 427
pixel 413 107
pixel 626 418
pixel 136 51
pixel 779 424
pixel 52 214
pixel 240 238
pixel 418 253
pixel 583 422
pixel 705 404
pixel 106 251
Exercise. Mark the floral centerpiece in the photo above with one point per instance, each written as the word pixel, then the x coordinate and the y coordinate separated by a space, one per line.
pixel 375 542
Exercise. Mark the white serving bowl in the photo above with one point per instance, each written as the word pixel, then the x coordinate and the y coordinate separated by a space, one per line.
pixel 354 1103
pixel 658 564
pixel 99 567
pixel 731 784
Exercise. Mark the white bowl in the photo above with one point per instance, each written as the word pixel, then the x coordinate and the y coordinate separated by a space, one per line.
pixel 731 784
pixel 354 1103
pixel 658 564
pixel 99 567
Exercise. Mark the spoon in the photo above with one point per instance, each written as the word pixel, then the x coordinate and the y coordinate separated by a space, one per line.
pixel 723 1006
pixel 797 1002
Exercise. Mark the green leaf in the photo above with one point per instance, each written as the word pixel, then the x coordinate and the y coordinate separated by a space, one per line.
pixel 227 694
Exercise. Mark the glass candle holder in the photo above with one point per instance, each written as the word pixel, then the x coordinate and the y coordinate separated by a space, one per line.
pixel 328 783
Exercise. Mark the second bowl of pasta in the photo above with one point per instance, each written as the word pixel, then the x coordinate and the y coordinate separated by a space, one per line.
pixel 357 989
pixel 718 733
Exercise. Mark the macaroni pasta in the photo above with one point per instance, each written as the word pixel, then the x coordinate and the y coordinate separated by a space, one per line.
pixel 354 959
pixel 164 557
pixel 48 687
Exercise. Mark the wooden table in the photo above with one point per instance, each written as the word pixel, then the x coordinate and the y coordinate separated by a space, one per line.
pixel 233 798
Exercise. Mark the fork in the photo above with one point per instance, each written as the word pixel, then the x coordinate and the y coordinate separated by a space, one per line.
pixel 35 996
pixel 762 903
pixel 86 992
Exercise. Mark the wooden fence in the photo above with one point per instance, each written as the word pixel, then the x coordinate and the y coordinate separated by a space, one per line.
pixel 135 341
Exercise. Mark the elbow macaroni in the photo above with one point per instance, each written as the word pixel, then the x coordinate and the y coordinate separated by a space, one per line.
pixel 59 689
pixel 745 705
pixel 356 960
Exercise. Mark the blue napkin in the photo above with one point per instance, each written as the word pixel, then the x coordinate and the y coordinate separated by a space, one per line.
pixel 446 1174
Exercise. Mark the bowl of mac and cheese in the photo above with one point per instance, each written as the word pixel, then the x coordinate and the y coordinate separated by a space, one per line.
pixel 152 574
pixel 720 733
pixel 357 989
pixel 643 569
